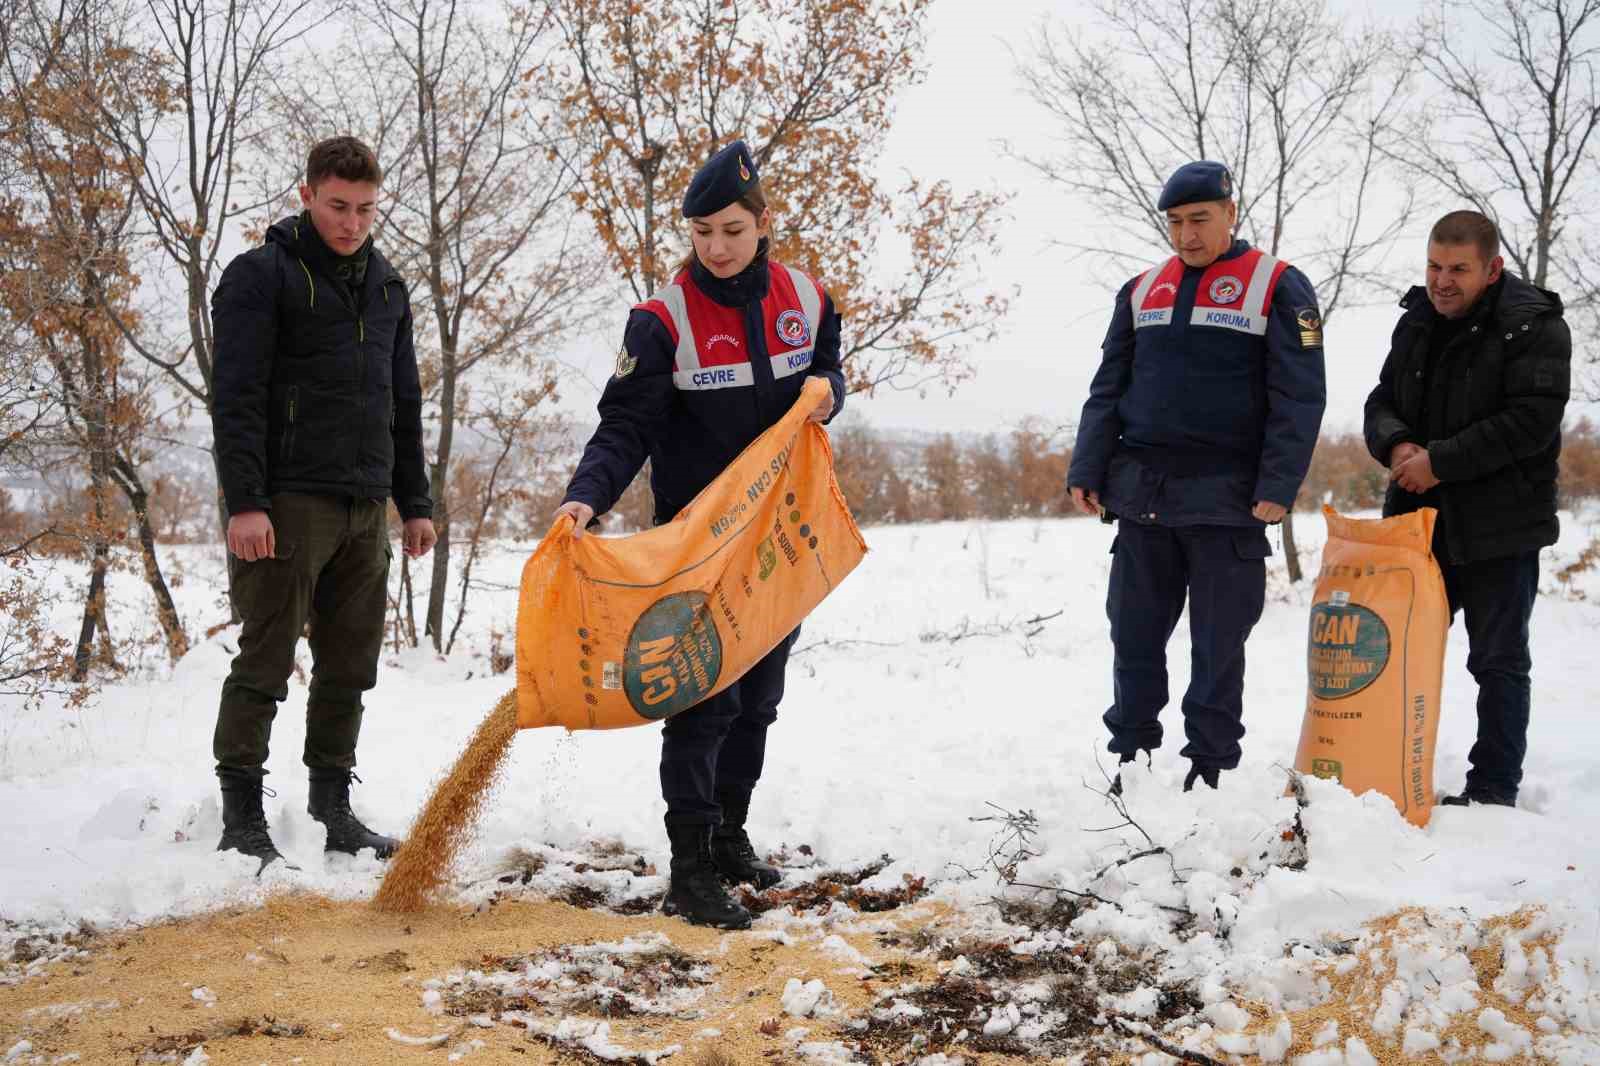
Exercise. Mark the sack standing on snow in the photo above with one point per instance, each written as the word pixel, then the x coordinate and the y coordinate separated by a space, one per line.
pixel 1375 660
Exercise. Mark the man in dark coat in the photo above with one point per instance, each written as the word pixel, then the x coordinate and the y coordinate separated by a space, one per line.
pixel 1198 430
pixel 1467 417
pixel 317 417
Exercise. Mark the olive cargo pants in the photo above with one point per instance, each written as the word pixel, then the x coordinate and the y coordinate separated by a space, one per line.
pixel 332 570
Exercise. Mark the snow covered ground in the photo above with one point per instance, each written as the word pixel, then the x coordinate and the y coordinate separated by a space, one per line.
pixel 921 700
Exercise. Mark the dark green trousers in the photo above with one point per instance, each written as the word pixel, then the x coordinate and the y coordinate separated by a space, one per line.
pixel 331 571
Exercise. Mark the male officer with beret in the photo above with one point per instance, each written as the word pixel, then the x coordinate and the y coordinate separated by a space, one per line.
pixel 1198 430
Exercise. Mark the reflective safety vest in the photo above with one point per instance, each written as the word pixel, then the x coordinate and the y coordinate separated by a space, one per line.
pixel 712 350
pixel 1233 293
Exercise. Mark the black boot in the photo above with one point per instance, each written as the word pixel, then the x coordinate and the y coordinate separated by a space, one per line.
pixel 1208 774
pixel 1473 795
pixel 329 803
pixel 696 892
pixel 1123 760
pixel 244 822
pixel 731 850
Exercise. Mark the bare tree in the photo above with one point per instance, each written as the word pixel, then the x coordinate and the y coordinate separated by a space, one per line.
pixel 518 434
pixel 67 242
pixel 35 661
pixel 184 147
pixel 1303 108
pixel 651 89
pixel 475 212
pixel 1513 131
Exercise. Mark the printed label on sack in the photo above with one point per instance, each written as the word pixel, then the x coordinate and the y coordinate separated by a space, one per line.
pixel 674 656
pixel 1347 650
pixel 1327 769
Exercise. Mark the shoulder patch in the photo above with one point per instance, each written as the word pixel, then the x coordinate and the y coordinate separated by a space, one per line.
pixel 626 363
pixel 1310 323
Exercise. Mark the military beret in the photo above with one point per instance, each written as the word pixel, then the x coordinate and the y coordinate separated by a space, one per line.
pixel 1195 183
pixel 726 176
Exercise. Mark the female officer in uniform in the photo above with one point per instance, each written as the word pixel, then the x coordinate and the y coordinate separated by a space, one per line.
pixel 708 364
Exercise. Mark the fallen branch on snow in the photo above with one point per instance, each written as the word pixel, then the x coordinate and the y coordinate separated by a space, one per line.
pixel 829 642
pixel 1031 627
pixel 1140 1031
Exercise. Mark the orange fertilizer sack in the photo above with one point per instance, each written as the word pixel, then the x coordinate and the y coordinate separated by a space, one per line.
pixel 1375 658
pixel 625 631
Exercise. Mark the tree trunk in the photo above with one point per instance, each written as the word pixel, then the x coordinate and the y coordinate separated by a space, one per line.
pixel 1291 554
pixel 94 606
pixel 438 484
pixel 126 475
pixel 94 603
pixel 166 610
pixel 410 601
pixel 438 584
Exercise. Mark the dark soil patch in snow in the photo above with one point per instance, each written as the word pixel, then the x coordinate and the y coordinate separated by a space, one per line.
pixel 388 962
pixel 646 904
pixel 26 951
pixel 592 980
pixel 992 999
pixel 835 888
pixel 944 1016
pixel 180 1044
pixel 573 888
pixel 582 896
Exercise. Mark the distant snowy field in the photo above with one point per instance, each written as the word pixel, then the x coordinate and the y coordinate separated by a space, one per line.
pixel 915 701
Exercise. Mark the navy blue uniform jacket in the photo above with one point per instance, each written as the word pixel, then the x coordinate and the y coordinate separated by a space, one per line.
pixel 691 435
pixel 1189 424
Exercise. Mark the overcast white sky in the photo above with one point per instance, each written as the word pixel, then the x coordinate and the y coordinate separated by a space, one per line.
pixel 950 126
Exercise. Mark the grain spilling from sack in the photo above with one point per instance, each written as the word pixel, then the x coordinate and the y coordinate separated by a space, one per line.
pixel 424 860
pixel 628 631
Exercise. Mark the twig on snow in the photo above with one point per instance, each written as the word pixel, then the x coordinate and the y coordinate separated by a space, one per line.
pixel 829 642
pixel 1144 1032
pixel 1031 627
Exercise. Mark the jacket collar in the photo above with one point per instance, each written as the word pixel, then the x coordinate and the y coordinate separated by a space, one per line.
pixel 1235 250
pixel 1508 302
pixel 746 287
pixel 300 238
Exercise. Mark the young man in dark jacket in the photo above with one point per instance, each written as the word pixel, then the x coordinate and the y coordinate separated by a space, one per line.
pixel 1467 417
pixel 317 418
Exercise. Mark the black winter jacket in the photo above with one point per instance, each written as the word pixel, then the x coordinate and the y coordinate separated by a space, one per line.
pixel 315 387
pixel 1493 418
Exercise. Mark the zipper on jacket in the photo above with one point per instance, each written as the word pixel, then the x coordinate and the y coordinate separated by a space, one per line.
pixel 312 302
pixel 288 429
